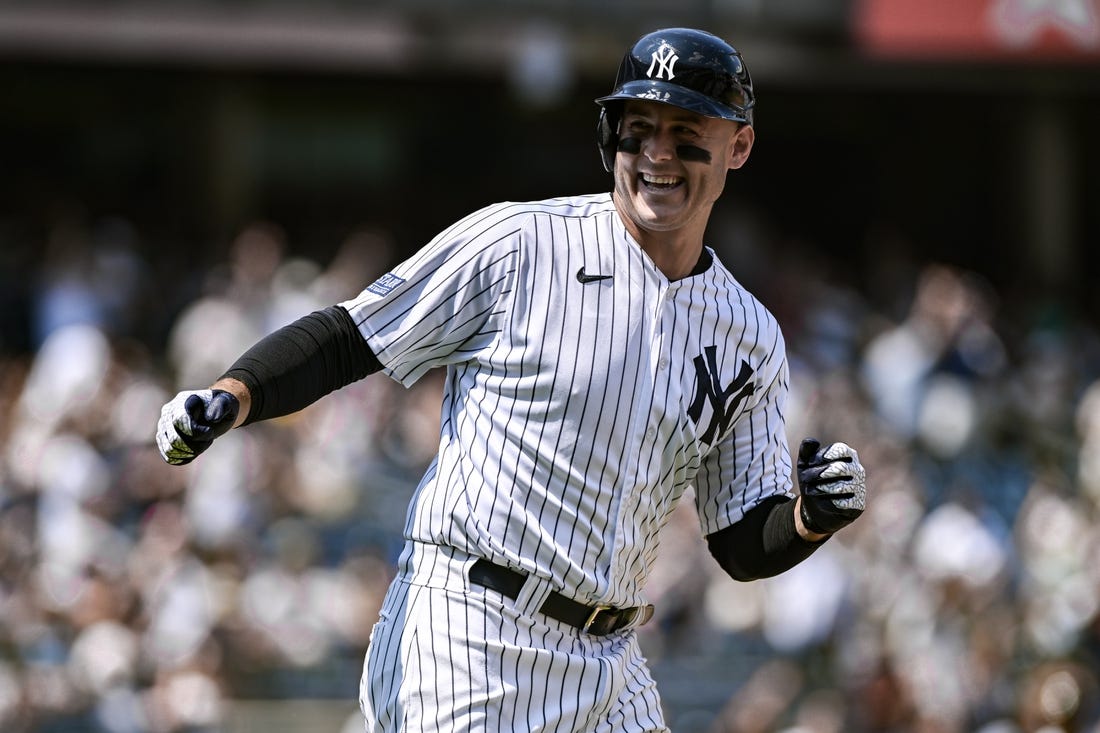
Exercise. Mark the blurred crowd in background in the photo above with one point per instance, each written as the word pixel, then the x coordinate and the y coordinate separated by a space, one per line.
pixel 139 597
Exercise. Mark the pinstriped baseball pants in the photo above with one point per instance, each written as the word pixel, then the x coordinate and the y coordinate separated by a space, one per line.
pixel 447 656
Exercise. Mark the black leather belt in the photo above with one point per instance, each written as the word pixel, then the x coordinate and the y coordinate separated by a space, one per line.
pixel 596 620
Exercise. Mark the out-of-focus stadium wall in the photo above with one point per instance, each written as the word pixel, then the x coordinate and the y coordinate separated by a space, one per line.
pixel 963 124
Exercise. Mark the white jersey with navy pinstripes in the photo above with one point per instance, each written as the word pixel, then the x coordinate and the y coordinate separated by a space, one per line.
pixel 584 392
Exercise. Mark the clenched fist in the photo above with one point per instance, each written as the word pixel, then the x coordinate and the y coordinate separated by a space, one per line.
pixel 191 421
pixel 833 486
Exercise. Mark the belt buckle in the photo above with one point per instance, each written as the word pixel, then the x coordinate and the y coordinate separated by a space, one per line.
pixel 596 611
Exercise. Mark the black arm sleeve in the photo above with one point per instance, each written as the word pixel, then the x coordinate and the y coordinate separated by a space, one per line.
pixel 299 364
pixel 763 543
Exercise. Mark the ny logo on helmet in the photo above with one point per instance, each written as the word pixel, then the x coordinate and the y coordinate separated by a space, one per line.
pixel 664 58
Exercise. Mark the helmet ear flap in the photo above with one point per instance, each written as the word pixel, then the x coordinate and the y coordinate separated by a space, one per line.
pixel 607 135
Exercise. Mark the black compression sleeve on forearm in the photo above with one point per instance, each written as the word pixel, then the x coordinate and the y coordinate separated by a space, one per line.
pixel 299 364
pixel 763 543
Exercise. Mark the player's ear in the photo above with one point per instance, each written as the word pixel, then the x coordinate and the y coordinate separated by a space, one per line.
pixel 741 146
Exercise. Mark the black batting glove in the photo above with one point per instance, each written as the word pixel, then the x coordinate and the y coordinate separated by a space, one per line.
pixel 191 421
pixel 833 486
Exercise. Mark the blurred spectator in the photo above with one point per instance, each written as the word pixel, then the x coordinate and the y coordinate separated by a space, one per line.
pixel 238 297
pixel 89 275
pixel 922 374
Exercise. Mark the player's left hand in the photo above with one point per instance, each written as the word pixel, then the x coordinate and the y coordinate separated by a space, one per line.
pixel 833 486
pixel 191 421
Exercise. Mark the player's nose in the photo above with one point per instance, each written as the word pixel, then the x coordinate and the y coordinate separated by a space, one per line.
pixel 659 146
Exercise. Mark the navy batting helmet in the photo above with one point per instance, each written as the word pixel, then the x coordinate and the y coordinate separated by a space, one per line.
pixel 686 68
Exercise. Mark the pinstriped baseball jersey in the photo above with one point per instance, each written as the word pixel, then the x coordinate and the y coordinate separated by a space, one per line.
pixel 584 392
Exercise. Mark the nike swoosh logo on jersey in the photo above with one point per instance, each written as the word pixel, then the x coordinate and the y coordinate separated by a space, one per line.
pixel 584 278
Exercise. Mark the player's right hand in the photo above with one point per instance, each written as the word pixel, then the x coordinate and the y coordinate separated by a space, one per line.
pixel 191 421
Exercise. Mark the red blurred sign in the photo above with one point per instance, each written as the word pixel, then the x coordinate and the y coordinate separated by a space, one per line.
pixel 1055 29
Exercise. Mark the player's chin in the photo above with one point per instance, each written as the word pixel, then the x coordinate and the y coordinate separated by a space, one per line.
pixel 661 214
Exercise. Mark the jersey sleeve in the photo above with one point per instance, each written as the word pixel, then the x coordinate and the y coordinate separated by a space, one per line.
pixel 752 462
pixel 447 301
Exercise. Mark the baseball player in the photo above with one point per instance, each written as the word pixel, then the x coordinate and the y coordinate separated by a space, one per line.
pixel 599 361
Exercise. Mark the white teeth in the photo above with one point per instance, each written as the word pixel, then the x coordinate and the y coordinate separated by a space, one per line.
pixel 660 180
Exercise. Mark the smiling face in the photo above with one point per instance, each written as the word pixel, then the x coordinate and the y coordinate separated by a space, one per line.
pixel 671 167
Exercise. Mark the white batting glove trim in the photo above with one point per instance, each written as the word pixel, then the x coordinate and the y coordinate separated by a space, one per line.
pixel 844 461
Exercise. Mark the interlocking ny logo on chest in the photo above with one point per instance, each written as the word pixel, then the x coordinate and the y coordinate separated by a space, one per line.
pixel 723 401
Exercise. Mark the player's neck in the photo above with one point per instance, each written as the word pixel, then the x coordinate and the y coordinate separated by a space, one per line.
pixel 676 263
pixel 675 253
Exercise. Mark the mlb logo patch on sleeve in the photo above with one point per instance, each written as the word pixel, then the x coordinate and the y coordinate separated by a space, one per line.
pixel 385 285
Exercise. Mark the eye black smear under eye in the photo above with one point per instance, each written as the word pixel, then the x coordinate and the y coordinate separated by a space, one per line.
pixel 688 153
pixel 692 154
pixel 630 145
